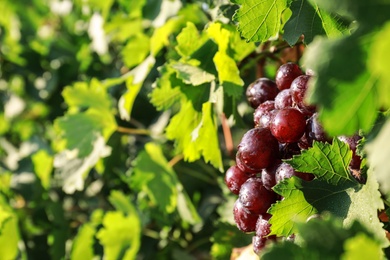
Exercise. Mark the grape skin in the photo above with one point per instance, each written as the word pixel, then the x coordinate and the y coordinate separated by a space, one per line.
pixel 257 150
pixel 255 197
pixel 288 125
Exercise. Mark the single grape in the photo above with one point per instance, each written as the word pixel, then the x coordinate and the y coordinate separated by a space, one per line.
pixel 255 197
pixel 262 110
pixel 257 150
pixel 283 99
pixel 298 92
pixel 286 74
pixel 263 227
pixel 285 170
pixel 234 178
pixel 288 125
pixel 258 243
pixel 268 175
pixel 261 90
pixel 288 150
pixel 245 220
pixel 352 142
pixel 315 131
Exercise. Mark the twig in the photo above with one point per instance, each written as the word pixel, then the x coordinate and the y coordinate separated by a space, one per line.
pixel 227 135
pixel 175 160
pixel 132 131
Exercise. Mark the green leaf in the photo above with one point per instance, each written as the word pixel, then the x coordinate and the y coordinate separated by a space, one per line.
pixel 228 74
pixel 189 40
pixel 83 243
pixel 72 171
pixel 195 134
pixel 309 20
pixel 378 59
pixel 349 201
pixel 327 161
pixel 136 50
pixel 225 238
pixel 83 95
pixel 289 250
pixel 43 166
pixel 80 130
pixel 378 157
pixel 121 202
pixel 155 177
pixel 259 20
pixel 120 235
pixel 9 231
pixel 362 247
pixel 192 75
pixel 5 215
pixel 340 64
pixel 167 89
pixel 134 81
pixel 304 21
pixel 325 237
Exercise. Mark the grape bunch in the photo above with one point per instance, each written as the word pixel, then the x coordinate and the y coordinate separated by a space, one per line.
pixel 284 125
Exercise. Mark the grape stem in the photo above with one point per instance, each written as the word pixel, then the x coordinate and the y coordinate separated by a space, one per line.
pixel 132 131
pixel 175 160
pixel 227 135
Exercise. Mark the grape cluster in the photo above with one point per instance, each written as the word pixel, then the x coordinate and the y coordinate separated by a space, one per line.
pixel 284 125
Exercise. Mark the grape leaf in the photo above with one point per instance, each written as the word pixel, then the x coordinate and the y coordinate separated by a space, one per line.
pixel 9 232
pixel 195 134
pixel 303 21
pixel 259 20
pixel 335 82
pixel 228 72
pixel 134 80
pixel 325 237
pixel 120 235
pixel 43 165
pixel 189 40
pixel 327 161
pixel 289 250
pixel 83 243
pixel 349 201
pixel 309 20
pixel 362 247
pixel 354 78
pixel 153 175
pixel 378 59
pixel 83 95
pixel 82 247
pixel 192 75
pixel 80 130
pixel 166 91
pixel 225 238
pixel 136 50
pixel 71 170
pixel 378 157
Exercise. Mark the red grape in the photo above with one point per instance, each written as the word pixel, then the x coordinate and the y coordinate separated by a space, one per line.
pixel 298 92
pixel 263 227
pixel 258 243
pixel 352 142
pixel 262 111
pixel 268 175
pixel 257 150
pixel 255 197
pixel 285 170
pixel 283 99
pixel 261 90
pixel 286 74
pixel 245 220
pixel 288 125
pixel 234 178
